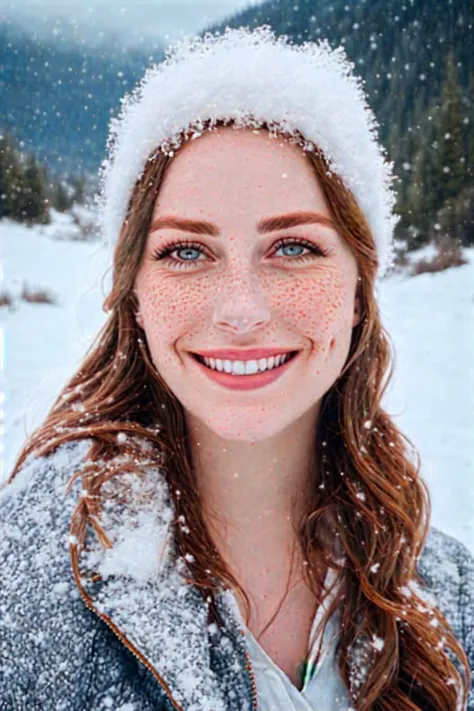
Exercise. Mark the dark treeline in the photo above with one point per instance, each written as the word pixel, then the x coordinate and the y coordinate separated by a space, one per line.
pixel 28 191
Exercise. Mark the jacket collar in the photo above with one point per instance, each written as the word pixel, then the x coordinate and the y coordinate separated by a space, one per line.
pixel 138 587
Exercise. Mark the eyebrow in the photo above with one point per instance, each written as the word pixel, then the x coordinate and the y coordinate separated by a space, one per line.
pixel 265 225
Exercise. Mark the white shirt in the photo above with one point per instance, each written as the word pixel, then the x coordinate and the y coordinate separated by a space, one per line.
pixel 324 691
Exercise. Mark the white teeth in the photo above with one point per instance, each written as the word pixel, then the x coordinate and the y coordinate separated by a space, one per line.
pixel 238 367
pixel 249 367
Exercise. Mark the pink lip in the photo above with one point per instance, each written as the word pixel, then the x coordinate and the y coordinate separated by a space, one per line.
pixel 245 382
pixel 242 354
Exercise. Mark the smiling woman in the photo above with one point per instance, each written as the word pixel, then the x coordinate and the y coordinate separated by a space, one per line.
pixel 246 526
pixel 239 289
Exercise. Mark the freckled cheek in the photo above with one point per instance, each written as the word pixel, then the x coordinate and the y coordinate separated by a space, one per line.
pixel 316 307
pixel 170 309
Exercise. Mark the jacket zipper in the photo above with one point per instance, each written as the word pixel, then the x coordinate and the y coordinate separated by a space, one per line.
pixel 131 647
pixel 248 666
pixel 128 645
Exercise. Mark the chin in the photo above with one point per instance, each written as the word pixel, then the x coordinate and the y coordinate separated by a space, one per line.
pixel 248 427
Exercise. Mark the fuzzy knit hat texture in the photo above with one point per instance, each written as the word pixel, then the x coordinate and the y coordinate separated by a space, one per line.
pixel 250 77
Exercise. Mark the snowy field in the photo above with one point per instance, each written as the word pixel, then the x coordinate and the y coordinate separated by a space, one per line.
pixel 429 318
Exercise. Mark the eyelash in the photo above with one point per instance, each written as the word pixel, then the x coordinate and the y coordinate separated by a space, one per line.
pixel 163 253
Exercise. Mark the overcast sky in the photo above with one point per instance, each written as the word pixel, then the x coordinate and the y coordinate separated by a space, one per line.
pixel 131 19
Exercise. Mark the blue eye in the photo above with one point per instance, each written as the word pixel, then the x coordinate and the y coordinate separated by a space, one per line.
pixel 164 254
pixel 292 246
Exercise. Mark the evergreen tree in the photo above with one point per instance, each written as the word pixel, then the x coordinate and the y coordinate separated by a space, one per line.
pixel 430 176
pixel 35 206
pixel 22 184
pixel 15 187
pixel 59 197
pixel 78 183
pixel 415 196
pixel 11 178
pixel 451 161
pixel 469 130
pixel 7 157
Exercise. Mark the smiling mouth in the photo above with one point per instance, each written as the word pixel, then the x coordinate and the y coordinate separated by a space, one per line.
pixel 201 360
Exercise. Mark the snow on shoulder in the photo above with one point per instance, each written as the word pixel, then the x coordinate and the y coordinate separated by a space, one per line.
pixel 141 541
pixel 47 472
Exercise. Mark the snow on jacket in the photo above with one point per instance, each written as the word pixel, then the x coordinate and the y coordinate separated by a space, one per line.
pixel 137 637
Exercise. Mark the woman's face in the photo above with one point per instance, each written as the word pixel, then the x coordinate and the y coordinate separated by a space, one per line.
pixel 237 288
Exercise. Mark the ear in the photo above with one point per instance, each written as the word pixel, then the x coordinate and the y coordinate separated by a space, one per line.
pixel 137 314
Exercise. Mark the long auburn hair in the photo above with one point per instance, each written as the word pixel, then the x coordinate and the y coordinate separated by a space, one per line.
pixel 377 503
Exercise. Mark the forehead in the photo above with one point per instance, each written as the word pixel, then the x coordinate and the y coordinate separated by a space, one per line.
pixel 239 172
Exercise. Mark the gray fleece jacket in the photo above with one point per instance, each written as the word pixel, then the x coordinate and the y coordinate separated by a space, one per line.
pixel 133 636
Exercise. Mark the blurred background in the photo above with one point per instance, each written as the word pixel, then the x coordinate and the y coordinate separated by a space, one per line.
pixel 64 68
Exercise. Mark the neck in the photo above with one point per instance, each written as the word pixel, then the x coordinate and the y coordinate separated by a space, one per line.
pixel 254 494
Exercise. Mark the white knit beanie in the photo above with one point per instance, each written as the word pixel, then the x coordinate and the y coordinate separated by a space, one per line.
pixel 252 77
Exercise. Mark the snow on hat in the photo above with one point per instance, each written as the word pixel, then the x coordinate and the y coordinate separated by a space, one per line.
pixel 251 77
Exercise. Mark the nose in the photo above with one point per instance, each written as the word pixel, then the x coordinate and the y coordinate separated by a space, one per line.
pixel 242 307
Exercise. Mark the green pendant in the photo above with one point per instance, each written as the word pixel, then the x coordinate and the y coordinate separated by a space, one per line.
pixel 307 670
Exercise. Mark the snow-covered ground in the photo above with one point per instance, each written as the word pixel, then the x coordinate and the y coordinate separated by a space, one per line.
pixel 429 319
